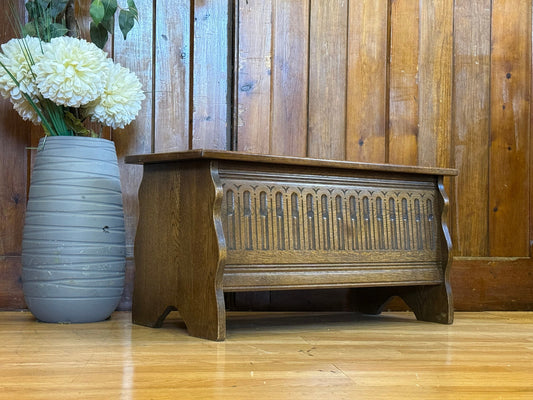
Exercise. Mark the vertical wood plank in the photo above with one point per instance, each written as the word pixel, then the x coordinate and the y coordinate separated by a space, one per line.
pixel 83 18
pixel 254 76
pixel 510 132
pixel 14 137
pixel 135 53
pixel 403 85
pixel 290 77
pixel 210 128
pixel 531 153
pixel 171 75
pixel 327 79
pixel 471 101
pixel 11 295
pixel 367 81
pixel 435 83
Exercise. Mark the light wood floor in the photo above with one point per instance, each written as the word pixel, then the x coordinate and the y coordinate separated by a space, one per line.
pixel 271 356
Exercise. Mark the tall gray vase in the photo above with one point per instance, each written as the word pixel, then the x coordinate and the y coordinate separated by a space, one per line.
pixel 73 247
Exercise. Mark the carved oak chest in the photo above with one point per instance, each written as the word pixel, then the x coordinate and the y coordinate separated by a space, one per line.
pixel 217 221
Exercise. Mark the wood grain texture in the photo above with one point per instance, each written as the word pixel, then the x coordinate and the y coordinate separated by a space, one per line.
pixel 171 75
pixel 178 255
pixel 478 284
pixel 403 82
pixel 14 175
pixel 471 141
pixel 531 156
pixel 210 69
pixel 274 159
pixel 14 137
pixel 254 76
pixel 510 131
pixel 489 282
pixel 136 54
pixel 435 83
pixel 290 42
pixel 327 79
pixel 11 296
pixel 366 126
pixel 163 249
pixel 296 356
pixel 83 18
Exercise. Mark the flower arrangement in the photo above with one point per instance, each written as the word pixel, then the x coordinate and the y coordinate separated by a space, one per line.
pixel 61 81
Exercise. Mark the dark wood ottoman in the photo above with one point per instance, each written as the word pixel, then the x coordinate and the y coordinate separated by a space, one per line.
pixel 219 221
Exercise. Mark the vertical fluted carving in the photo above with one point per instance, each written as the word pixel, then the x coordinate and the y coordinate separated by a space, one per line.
pixel 286 218
pixel 231 241
pixel 247 217
pixel 311 236
pixel 280 221
pixel 340 223
pixel 296 222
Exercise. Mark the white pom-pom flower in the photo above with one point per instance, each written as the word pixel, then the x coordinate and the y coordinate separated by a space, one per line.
pixel 26 111
pixel 121 99
pixel 18 57
pixel 71 71
pixel 45 80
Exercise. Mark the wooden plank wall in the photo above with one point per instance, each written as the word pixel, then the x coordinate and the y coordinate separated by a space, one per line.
pixel 440 83
pixel 14 137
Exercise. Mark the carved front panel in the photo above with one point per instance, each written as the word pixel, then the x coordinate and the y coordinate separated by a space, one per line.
pixel 328 219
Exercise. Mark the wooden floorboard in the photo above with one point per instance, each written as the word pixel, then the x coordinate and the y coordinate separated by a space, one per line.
pixel 271 356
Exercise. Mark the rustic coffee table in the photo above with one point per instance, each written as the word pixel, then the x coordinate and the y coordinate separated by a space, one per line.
pixel 219 221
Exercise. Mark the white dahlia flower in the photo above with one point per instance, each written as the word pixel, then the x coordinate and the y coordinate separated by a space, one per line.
pixel 18 56
pixel 121 99
pixel 71 71
pixel 26 111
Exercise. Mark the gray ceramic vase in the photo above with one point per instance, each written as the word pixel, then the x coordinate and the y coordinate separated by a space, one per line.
pixel 73 248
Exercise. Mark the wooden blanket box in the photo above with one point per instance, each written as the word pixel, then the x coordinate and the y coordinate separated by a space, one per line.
pixel 220 221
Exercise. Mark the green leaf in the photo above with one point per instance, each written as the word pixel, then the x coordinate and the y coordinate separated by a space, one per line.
pixel 43 3
pixel 32 9
pixel 57 30
pixel 57 7
pixel 97 11
pixel 110 8
pixel 133 8
pixel 29 29
pixel 98 35
pixel 126 20
pixel 109 24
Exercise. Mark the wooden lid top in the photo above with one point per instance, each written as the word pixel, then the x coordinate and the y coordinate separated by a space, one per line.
pixel 284 160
